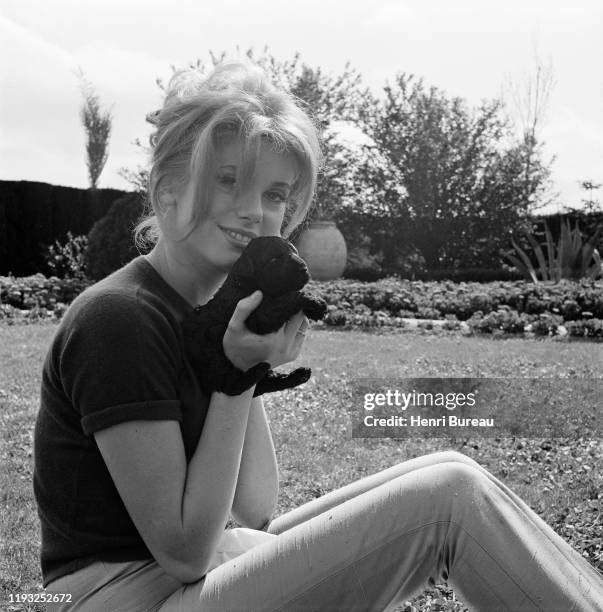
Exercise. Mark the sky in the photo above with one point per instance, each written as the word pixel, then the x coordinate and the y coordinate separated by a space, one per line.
pixel 467 48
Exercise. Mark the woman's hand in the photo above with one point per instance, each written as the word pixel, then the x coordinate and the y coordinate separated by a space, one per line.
pixel 245 349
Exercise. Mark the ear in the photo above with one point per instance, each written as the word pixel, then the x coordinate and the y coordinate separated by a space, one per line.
pixel 166 201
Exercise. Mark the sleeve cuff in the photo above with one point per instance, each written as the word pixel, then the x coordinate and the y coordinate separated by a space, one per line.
pixel 164 410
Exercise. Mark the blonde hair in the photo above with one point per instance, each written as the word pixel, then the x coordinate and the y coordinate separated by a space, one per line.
pixel 235 100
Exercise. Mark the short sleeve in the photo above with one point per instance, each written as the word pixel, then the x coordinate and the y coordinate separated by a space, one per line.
pixel 120 361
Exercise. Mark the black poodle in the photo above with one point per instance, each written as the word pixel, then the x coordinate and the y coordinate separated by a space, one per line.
pixel 272 265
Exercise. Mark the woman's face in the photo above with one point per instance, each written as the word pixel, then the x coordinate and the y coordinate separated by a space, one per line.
pixel 235 218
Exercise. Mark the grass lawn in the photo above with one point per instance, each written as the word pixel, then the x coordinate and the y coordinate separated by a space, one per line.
pixel 559 478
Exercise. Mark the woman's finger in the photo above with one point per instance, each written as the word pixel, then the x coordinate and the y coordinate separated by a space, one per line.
pixel 305 324
pixel 294 324
pixel 300 335
pixel 297 343
pixel 244 308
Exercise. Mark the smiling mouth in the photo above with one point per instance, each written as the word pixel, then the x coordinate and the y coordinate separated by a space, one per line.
pixel 241 239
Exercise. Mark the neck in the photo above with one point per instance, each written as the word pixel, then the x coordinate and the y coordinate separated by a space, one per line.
pixel 195 286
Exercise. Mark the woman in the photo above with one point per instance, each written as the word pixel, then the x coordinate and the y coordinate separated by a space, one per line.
pixel 136 472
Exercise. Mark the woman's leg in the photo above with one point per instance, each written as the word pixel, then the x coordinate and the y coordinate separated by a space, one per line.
pixel 128 586
pixel 448 520
pixel 338 496
pixel 330 500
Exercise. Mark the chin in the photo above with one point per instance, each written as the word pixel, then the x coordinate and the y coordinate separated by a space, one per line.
pixel 224 264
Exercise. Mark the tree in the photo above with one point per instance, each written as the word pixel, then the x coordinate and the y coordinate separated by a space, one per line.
pixel 97 127
pixel 591 204
pixel 530 100
pixel 325 97
pixel 465 185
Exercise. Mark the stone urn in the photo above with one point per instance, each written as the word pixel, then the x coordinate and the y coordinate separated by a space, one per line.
pixel 323 248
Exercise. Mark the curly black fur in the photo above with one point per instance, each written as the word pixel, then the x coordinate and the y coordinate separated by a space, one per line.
pixel 272 265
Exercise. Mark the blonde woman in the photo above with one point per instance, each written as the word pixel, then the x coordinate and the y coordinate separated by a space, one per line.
pixel 137 473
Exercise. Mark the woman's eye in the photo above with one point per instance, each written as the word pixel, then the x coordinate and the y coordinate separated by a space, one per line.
pixel 277 197
pixel 227 180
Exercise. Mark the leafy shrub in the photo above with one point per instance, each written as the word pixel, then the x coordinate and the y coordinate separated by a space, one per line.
pixel 12 316
pixel 451 323
pixel 497 308
pixel 480 301
pixel 426 312
pixel 590 299
pixel 447 305
pixel 66 260
pixel 37 297
pixel 110 241
pixel 37 290
pixel 466 275
pixel 336 317
pixel 572 257
pixel 508 321
pixel 420 299
pixel 409 264
pixel 547 324
pixel 363 266
pixel 590 328
pixel 570 309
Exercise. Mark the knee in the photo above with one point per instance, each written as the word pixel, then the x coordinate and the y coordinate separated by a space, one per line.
pixel 462 477
pixel 454 457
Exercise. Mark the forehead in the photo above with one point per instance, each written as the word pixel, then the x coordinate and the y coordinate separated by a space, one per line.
pixel 270 165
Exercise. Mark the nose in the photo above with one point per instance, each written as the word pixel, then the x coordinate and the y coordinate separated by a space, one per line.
pixel 249 206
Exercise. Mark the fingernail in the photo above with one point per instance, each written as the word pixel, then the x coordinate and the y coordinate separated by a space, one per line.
pixel 257 294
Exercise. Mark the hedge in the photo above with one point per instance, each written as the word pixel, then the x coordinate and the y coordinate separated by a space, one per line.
pixel 33 215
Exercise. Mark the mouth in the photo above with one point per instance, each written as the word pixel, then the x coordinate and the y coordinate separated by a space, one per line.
pixel 240 238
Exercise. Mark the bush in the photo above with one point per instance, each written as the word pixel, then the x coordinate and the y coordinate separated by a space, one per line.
pixel 547 324
pixel 497 308
pixel 467 275
pixel 110 241
pixel 590 299
pixel 591 328
pixel 505 320
pixel 573 257
pixel 67 260
pixel 363 266
pixel 36 297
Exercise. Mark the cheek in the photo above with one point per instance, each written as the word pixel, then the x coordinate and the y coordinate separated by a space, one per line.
pixel 219 203
pixel 273 222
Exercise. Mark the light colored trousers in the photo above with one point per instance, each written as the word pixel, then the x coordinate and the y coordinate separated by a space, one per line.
pixel 371 545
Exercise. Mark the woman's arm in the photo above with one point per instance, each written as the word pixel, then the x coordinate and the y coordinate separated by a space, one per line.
pixel 180 511
pixel 257 486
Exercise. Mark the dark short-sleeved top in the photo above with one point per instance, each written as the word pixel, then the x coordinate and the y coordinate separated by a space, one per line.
pixel 117 356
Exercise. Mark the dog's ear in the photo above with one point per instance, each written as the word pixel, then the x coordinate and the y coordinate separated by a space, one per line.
pixel 244 266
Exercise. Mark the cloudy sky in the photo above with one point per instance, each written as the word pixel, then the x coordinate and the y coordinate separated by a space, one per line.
pixel 468 48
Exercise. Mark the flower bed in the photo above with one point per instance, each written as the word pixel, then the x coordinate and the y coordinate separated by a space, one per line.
pixel 503 307
pixel 510 307
pixel 35 298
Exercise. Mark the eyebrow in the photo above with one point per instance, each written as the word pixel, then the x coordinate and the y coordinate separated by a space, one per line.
pixel 284 184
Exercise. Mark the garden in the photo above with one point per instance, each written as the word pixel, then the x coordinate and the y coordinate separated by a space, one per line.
pixel 450 273
pixel 560 478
